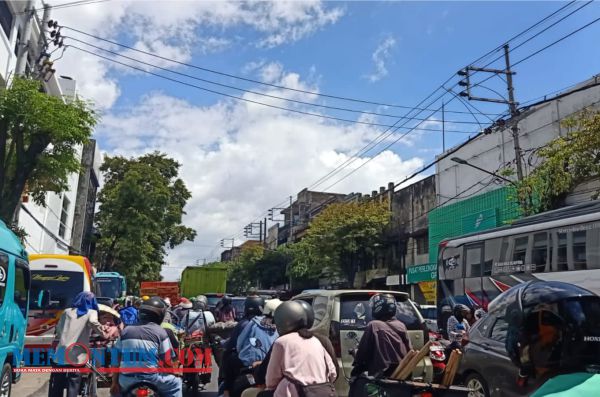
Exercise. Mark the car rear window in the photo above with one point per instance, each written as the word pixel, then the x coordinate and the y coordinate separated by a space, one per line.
pixel 430 313
pixel 355 313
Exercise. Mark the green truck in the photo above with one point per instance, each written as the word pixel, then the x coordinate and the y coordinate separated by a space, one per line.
pixel 202 280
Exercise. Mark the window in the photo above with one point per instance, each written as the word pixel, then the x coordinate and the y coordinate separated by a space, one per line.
pixel 473 256
pixel 64 217
pixel 320 308
pixel 63 286
pixel 17 43
pixel 562 261
pixel 6 18
pixel 520 250
pixel 21 286
pixel 355 312
pixel 499 330
pixel 3 276
pixel 422 244
pixel 493 253
pixel 539 255
pixel 579 254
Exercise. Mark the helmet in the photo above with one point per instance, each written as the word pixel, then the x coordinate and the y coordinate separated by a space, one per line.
pixel 198 303
pixel 383 306
pixel 185 303
pixel 153 310
pixel 551 325
pixel 253 306
pixel 460 311
pixel 226 300
pixel 310 314
pixel 145 297
pixel 290 316
pixel 270 306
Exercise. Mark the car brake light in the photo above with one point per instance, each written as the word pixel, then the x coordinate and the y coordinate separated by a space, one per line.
pixel 424 394
pixel 142 392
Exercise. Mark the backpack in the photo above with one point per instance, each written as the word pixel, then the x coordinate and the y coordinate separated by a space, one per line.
pixel 129 315
pixel 265 334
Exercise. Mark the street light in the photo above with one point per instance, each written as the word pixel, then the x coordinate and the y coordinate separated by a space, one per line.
pixel 465 162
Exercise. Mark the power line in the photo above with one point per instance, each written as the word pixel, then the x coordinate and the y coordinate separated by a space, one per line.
pixel 253 80
pixel 254 92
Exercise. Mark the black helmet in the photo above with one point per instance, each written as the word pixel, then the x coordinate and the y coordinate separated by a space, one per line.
pixel 289 317
pixel 253 306
pixel 310 313
pixel 153 310
pixel 460 311
pixel 226 301
pixel 383 306
pixel 551 325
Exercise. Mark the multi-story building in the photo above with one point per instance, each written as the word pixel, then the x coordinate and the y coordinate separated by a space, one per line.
pixel 64 224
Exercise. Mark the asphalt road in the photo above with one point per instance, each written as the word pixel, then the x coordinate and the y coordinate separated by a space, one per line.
pixel 36 385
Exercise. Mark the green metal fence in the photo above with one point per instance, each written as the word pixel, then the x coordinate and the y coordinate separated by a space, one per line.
pixel 485 211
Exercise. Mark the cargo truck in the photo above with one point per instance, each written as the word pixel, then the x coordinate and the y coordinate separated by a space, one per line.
pixel 164 289
pixel 202 280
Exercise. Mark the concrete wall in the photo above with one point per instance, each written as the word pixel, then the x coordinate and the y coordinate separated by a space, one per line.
pixel 539 125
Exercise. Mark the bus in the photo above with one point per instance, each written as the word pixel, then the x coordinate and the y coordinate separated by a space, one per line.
pixel 61 277
pixel 14 296
pixel 110 285
pixel 562 245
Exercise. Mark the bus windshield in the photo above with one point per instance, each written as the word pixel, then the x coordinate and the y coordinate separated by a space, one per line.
pixel 63 287
pixel 108 287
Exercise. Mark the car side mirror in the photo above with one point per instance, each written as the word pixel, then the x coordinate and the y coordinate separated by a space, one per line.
pixel 43 300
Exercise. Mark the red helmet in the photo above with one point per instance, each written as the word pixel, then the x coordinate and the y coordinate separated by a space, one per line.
pixel 185 303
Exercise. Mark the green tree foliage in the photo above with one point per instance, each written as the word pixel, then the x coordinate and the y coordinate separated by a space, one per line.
pixel 242 273
pixel 140 215
pixel 565 163
pixel 39 136
pixel 341 240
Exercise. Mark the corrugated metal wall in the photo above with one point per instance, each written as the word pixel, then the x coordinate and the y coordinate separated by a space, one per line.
pixel 485 211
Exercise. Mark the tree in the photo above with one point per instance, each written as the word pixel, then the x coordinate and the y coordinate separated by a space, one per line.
pixel 39 136
pixel 140 215
pixel 341 240
pixel 565 163
pixel 242 274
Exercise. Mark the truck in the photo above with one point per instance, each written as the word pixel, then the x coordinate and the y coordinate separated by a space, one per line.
pixel 164 289
pixel 110 285
pixel 204 279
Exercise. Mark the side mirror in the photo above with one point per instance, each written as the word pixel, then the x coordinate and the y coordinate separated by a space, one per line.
pixel 43 300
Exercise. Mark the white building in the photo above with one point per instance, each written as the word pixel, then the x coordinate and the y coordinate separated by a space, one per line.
pixel 53 228
pixel 538 125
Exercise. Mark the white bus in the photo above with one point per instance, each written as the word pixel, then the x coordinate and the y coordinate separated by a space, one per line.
pixel 561 245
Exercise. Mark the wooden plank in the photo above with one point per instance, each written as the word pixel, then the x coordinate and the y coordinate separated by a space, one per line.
pixel 410 367
pixel 403 363
pixel 451 368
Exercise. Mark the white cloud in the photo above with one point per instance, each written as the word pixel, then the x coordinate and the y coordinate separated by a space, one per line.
pixel 380 57
pixel 177 30
pixel 240 159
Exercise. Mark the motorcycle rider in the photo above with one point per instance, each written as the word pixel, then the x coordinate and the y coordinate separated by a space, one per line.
pixel 552 337
pixel 298 358
pixel 198 318
pixel 461 315
pixel 231 364
pixel 150 341
pixel 385 340
pixel 225 310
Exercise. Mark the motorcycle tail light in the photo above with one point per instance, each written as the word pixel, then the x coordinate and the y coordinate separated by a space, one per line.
pixel 142 392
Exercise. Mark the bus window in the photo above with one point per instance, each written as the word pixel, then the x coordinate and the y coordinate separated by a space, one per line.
pixel 520 251
pixel 493 254
pixel 539 255
pixel 579 255
pixel 593 248
pixel 562 262
pixel 473 260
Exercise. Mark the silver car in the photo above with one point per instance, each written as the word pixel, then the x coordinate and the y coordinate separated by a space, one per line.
pixel 342 315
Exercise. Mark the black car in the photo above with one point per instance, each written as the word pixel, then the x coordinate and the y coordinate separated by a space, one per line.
pixel 485 367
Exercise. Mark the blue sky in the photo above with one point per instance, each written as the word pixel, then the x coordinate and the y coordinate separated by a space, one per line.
pixel 239 159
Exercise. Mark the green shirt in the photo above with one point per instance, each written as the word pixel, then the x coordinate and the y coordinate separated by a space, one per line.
pixel 579 384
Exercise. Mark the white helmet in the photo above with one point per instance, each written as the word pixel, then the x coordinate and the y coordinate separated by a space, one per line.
pixel 270 306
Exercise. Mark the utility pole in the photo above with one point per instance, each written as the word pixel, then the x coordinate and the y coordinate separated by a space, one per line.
pixel 513 113
pixel 265 233
pixel 443 128
pixel 512 104
pixel 25 44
